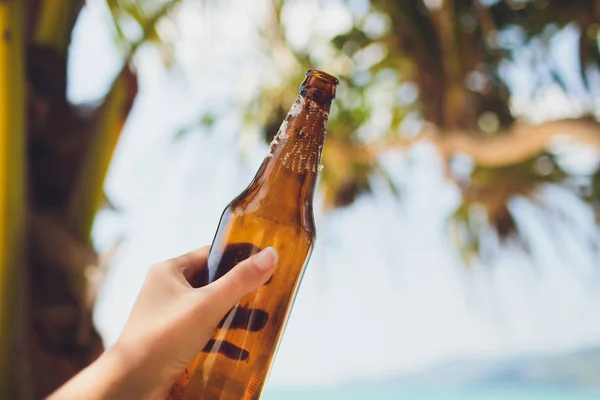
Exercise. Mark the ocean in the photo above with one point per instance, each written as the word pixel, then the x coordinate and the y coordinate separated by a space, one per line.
pixel 391 393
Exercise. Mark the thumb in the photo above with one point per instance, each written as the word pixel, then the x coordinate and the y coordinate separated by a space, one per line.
pixel 242 279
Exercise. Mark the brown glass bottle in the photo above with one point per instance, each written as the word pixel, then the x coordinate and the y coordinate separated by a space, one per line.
pixel 274 210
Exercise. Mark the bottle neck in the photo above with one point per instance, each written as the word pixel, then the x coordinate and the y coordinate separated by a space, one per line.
pixel 298 145
pixel 288 175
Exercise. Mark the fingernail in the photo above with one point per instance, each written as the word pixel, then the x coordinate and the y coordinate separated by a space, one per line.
pixel 266 259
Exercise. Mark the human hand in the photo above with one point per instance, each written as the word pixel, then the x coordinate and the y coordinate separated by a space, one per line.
pixel 170 323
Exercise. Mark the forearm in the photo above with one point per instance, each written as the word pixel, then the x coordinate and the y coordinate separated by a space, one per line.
pixel 114 375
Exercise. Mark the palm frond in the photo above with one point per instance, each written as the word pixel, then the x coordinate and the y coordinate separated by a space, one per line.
pixel 109 119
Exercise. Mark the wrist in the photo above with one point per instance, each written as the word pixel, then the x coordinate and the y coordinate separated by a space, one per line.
pixel 114 375
pixel 130 374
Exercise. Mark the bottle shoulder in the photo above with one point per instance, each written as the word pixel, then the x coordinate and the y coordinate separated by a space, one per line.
pixel 300 219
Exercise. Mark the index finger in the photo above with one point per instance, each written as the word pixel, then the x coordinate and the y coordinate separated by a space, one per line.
pixel 193 266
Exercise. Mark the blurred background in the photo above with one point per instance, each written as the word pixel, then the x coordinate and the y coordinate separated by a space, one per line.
pixel 458 252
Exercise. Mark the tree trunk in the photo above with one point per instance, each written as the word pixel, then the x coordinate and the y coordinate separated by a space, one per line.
pixel 61 158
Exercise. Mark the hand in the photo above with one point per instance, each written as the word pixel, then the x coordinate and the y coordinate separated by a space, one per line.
pixel 170 323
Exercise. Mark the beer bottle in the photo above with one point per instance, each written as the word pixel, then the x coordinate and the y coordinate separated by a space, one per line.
pixel 276 210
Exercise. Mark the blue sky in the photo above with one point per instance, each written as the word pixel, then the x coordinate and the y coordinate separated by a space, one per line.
pixel 383 275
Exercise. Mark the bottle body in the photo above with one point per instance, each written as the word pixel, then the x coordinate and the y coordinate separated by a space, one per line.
pixel 235 363
pixel 274 210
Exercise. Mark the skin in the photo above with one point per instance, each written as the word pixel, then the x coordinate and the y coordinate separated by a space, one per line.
pixel 170 323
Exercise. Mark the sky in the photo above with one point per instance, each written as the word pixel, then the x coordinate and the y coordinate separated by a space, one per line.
pixel 385 291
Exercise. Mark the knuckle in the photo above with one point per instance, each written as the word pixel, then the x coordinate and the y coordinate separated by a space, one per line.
pixel 180 260
pixel 252 268
pixel 239 281
pixel 236 283
pixel 155 270
pixel 248 274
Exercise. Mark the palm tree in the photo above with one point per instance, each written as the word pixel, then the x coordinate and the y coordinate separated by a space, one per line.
pixel 435 70
pixel 53 160
pixel 411 69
